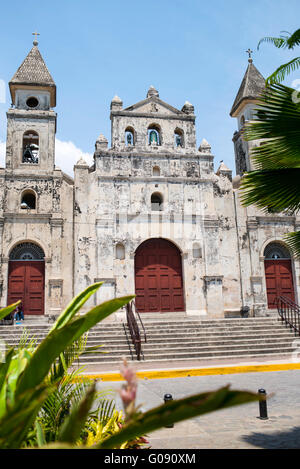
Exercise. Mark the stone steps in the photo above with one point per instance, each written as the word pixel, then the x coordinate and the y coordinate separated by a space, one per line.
pixel 174 339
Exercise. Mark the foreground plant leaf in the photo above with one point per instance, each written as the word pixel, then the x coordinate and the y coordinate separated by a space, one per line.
pixel 74 306
pixel 16 422
pixel 176 411
pixel 73 425
pixel 57 340
pixel 8 309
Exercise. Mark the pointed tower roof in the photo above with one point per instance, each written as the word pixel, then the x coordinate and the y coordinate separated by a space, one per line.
pixel 33 72
pixel 252 85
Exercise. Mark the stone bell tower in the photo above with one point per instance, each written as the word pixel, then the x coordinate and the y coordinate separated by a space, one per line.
pixel 243 109
pixel 31 122
pixel 36 198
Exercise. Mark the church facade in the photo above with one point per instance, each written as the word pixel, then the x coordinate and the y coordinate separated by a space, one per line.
pixel 151 216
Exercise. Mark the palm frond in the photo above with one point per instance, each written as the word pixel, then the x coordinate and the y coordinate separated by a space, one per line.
pixel 293 241
pixel 281 72
pixel 289 41
pixel 279 42
pixel 272 190
pixel 277 124
pixel 294 39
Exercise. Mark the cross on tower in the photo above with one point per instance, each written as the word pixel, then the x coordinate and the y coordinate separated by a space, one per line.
pixel 249 52
pixel 35 42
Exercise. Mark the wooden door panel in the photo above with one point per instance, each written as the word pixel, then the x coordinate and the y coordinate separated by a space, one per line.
pixel 279 280
pixel 158 263
pixel 26 283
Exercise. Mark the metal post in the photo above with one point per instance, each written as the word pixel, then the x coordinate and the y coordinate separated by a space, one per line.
pixel 167 398
pixel 263 413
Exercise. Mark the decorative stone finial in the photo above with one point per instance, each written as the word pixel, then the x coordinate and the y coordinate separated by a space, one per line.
pixel 188 108
pixel 116 103
pixel 152 92
pixel 101 142
pixel 81 162
pixel 205 147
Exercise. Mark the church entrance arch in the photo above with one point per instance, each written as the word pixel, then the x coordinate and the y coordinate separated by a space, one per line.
pixel 158 277
pixel 279 274
pixel 26 278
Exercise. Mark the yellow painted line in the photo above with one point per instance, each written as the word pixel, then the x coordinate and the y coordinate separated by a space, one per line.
pixel 183 373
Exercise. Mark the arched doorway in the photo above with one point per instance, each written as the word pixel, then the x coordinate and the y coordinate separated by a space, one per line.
pixel 26 278
pixel 158 277
pixel 279 274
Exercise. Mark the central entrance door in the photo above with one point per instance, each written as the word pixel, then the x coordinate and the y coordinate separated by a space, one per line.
pixel 158 277
pixel 26 278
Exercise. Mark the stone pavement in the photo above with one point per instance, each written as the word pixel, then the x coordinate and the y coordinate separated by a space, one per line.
pixel 235 428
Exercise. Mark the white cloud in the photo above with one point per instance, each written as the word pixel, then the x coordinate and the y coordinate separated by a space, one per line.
pixel 66 155
pixel 2 154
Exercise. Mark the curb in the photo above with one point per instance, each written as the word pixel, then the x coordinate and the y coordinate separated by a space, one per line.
pixel 188 372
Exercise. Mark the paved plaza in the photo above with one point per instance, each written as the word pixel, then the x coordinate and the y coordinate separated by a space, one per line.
pixel 234 428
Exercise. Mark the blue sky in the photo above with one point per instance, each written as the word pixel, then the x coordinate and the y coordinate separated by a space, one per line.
pixel 188 49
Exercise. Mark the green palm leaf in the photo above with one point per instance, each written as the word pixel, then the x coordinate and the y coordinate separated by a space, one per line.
pixel 293 241
pixel 281 72
pixel 272 190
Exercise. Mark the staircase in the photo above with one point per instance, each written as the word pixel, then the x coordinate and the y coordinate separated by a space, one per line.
pixel 178 340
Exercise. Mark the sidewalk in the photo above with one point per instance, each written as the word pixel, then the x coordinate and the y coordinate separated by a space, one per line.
pixel 176 369
pixel 236 427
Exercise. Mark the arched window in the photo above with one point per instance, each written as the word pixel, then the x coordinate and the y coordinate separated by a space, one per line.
pixel 30 153
pixel 156 171
pixel 129 136
pixel 178 138
pixel 154 135
pixel 156 202
pixel 276 251
pixel 242 121
pixel 120 251
pixel 28 200
pixel 27 251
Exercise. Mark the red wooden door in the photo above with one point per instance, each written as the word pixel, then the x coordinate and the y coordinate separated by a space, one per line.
pixel 279 280
pixel 26 283
pixel 158 277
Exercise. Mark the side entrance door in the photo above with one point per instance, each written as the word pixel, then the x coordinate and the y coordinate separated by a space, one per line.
pixel 279 280
pixel 26 282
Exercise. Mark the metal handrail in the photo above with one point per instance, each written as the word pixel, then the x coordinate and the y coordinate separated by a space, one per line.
pixel 142 324
pixel 289 312
pixel 134 330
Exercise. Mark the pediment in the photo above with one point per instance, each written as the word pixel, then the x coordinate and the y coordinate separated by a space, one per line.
pixel 154 105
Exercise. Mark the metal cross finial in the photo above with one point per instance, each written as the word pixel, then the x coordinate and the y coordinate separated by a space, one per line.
pixel 35 42
pixel 249 52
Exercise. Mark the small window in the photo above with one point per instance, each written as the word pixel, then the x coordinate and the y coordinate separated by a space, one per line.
pixel 154 137
pixel 156 202
pixel 28 201
pixel 178 138
pixel 197 253
pixel 30 147
pixel 156 171
pixel 120 251
pixel 32 102
pixel 129 136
